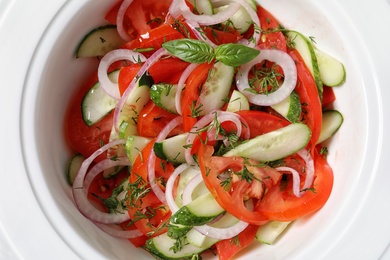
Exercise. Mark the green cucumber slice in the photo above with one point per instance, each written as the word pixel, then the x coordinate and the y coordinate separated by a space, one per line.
pixel 96 103
pixel 306 49
pixel 74 167
pixel 185 177
pixel 163 95
pixel 216 89
pixel 172 149
pixel 134 145
pixel 237 102
pixel 268 233
pixel 331 123
pixel 332 71
pixel 274 145
pixel 290 108
pixel 202 6
pixel 161 247
pixel 198 212
pixel 99 41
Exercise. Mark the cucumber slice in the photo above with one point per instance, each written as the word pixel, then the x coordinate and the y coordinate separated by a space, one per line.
pixel 163 95
pixel 216 89
pixel 268 233
pixel 306 49
pixel 134 145
pixel 161 247
pixel 172 149
pixel 185 177
pixel 99 41
pixel 290 108
pixel 331 123
pixel 274 145
pixel 237 102
pixel 198 212
pixel 332 71
pixel 202 6
pixel 74 167
pixel 96 103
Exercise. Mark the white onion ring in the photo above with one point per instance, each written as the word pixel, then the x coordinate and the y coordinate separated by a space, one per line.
pixel 290 78
pixel 180 85
pixel 120 18
pixel 189 189
pixel 152 158
pixel 115 55
pixel 122 102
pixel 80 194
pixel 309 169
pixel 115 231
pixel 169 187
pixel 222 116
pixel 296 179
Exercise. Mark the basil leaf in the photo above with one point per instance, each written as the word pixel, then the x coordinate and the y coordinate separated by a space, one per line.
pixel 235 54
pixel 190 50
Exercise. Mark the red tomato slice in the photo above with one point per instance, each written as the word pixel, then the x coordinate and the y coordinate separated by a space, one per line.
pixel 153 119
pixel 189 101
pixel 308 93
pixel 222 37
pixel 154 39
pixel 147 212
pixel 232 196
pixel 126 75
pixel 270 40
pixel 328 96
pixel 283 206
pixel 227 248
pixel 141 16
pixel 168 70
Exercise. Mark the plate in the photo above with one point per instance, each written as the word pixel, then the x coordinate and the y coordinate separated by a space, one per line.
pixel 37 216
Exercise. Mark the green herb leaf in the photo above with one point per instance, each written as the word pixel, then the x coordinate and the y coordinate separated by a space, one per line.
pixel 190 50
pixel 235 55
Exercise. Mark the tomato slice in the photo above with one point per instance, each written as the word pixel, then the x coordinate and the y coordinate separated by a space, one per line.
pixel 141 16
pixel 147 212
pixel 189 101
pixel 308 93
pixel 328 96
pixel 168 70
pixel 281 205
pixel 227 248
pixel 154 39
pixel 126 75
pixel 270 40
pixel 254 181
pixel 153 119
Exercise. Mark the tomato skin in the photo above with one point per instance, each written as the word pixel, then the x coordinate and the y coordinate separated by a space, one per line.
pixel 191 94
pixel 153 119
pixel 308 94
pixel 168 70
pixel 283 206
pixel 126 75
pixel 226 249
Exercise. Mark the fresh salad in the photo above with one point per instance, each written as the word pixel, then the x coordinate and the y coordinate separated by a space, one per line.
pixel 204 127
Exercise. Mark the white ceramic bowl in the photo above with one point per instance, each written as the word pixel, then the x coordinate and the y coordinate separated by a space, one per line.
pixel 54 74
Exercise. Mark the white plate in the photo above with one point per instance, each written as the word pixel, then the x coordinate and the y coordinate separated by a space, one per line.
pixel 37 217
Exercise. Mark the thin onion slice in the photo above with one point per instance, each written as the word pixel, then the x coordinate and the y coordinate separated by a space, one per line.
pixel 80 194
pixel 169 187
pixel 309 169
pixel 120 18
pixel 290 78
pixel 115 55
pixel 123 100
pixel 152 158
pixel 296 179
pixel 116 231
